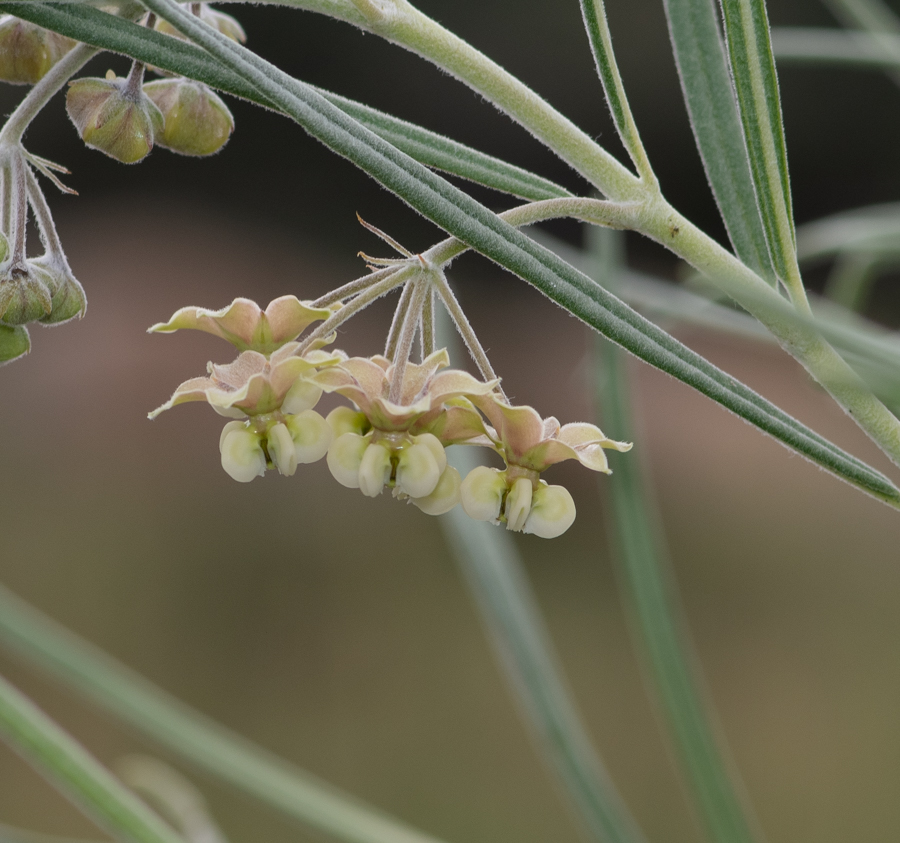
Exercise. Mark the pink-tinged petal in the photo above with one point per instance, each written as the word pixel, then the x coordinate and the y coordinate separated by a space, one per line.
pixel 246 326
pixel 288 317
pixel 417 375
pixel 194 389
pixel 368 375
pixel 455 382
pixel 234 323
pixel 594 457
pixel 518 428
pixel 386 415
pixel 546 453
pixel 551 428
pixel 454 425
pixel 232 376
pixel 581 433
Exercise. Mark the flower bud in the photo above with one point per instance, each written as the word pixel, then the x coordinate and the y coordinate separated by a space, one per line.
pixel 552 512
pixel 303 395
pixel 345 457
pixel 518 504
pixel 14 342
pixel 374 470
pixel 67 298
pixel 242 453
pixel 281 449
pixel 310 435
pixel 28 51
pixel 418 468
pixel 345 419
pixel 197 122
pixel 445 495
pixel 110 118
pixel 225 24
pixel 24 295
pixel 481 493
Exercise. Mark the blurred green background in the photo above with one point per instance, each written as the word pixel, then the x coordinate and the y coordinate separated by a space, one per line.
pixel 336 630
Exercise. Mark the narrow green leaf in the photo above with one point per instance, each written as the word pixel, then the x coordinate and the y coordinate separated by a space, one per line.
pixel 759 104
pixel 864 50
pixel 651 598
pixel 495 574
pixel 94 27
pixel 76 773
pixel 593 13
pixel 187 733
pixel 479 228
pixel 705 82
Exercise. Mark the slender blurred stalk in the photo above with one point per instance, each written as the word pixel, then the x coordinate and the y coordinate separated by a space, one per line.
pixel 204 743
pixel 495 574
pixel 493 569
pixel 76 773
pixel 650 595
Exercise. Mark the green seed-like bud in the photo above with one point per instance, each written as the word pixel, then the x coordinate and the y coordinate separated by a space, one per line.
pixel 226 24
pixel 14 342
pixel 24 295
pixel 197 122
pixel 27 51
pixel 4 247
pixel 67 298
pixel 113 120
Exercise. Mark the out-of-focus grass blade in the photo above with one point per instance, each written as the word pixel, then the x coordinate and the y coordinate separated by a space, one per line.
pixel 190 735
pixel 76 773
pixel 874 228
pixel 493 569
pixel 759 105
pixel 867 50
pixel 655 614
pixel 706 83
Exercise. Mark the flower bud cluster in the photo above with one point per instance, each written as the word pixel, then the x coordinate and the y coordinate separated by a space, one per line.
pixel 395 434
pixel 27 51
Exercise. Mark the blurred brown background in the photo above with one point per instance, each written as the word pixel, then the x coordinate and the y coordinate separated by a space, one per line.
pixel 336 630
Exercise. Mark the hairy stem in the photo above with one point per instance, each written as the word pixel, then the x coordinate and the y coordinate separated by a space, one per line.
pixel 353 287
pixel 429 328
pixel 44 218
pixel 361 302
pixel 393 337
pixel 408 331
pixel 41 93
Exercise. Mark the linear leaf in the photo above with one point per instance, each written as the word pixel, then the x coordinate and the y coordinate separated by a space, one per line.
pixel 759 104
pixel 651 596
pixel 497 579
pixel 479 228
pixel 430 148
pixel 77 774
pixel 191 735
pixel 705 82
pixel 812 45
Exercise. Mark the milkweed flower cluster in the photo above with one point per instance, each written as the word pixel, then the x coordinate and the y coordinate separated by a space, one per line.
pixel 394 433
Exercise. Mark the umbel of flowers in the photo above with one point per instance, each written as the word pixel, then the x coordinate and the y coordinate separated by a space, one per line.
pixel 394 432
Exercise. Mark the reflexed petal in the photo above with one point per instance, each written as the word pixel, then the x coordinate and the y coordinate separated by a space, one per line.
pixel 481 493
pixel 552 512
pixel 374 470
pixel 445 495
pixel 344 458
pixel 518 504
pixel 242 455
pixel 245 325
pixel 418 472
pixel 281 449
pixel 311 435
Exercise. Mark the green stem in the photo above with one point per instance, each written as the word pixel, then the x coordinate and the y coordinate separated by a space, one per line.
pixel 43 91
pixel 76 773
